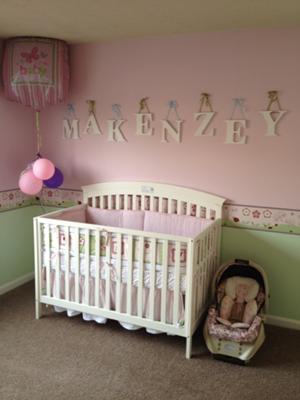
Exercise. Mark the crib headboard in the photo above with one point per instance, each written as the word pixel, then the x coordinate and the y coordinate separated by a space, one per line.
pixel 154 197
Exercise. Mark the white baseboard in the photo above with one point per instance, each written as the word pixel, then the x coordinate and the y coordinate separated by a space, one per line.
pixel 16 282
pixel 283 322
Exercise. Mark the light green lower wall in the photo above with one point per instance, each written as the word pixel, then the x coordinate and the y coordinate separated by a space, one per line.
pixel 279 255
pixel 16 242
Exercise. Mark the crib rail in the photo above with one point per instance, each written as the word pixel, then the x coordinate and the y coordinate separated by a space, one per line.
pixel 80 266
pixel 77 287
pixel 153 197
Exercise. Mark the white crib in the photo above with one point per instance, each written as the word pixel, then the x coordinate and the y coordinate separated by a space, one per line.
pixel 202 259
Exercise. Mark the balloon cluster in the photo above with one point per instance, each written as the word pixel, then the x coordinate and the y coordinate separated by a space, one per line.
pixel 41 171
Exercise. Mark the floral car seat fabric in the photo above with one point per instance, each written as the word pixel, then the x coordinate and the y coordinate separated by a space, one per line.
pixel 239 335
pixel 234 317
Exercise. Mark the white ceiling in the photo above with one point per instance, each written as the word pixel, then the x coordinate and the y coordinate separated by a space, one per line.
pixel 80 21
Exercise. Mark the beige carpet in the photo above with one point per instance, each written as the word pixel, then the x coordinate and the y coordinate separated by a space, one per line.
pixel 62 358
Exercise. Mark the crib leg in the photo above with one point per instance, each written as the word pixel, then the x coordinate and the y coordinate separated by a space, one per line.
pixel 188 349
pixel 38 309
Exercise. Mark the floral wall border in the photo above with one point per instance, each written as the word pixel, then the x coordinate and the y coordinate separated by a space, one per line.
pixel 14 199
pixel 234 215
pixel 262 218
pixel 59 197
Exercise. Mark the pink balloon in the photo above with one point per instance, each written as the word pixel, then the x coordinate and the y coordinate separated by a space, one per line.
pixel 29 183
pixel 43 169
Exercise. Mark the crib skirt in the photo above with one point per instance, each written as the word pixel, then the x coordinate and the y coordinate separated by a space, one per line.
pixel 123 296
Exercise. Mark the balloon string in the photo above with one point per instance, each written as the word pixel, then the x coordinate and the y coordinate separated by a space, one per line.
pixel 38 134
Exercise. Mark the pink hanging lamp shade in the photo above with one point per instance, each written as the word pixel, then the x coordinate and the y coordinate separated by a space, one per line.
pixel 36 71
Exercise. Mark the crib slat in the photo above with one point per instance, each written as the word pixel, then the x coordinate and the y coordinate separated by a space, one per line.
pixel 179 207
pixel 152 203
pixel 164 281
pixel 117 202
pixel 109 202
pixel 188 208
pixel 129 278
pixel 134 202
pixel 160 204
pixel 101 201
pixel 200 273
pixel 191 290
pixel 125 202
pixel 176 283
pixel 67 264
pixel 141 276
pixel 194 300
pixel 57 270
pixel 48 259
pixel 199 282
pixel 97 267
pixel 77 263
pixel 108 272
pixel 152 277
pixel 169 204
pixel 118 269
pixel 198 210
pixel 87 266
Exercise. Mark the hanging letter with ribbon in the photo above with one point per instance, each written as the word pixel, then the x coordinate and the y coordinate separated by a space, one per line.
pixel 272 117
pixel 172 128
pixel 114 126
pixel 71 124
pixel 235 127
pixel 143 119
pixel 204 116
pixel 92 127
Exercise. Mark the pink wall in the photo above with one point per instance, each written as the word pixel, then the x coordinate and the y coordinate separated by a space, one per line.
pixel 227 65
pixel 17 146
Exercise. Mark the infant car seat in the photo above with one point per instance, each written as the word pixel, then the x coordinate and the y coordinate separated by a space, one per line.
pixel 234 327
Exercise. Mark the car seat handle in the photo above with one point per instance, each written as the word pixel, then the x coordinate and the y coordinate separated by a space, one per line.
pixel 240 261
